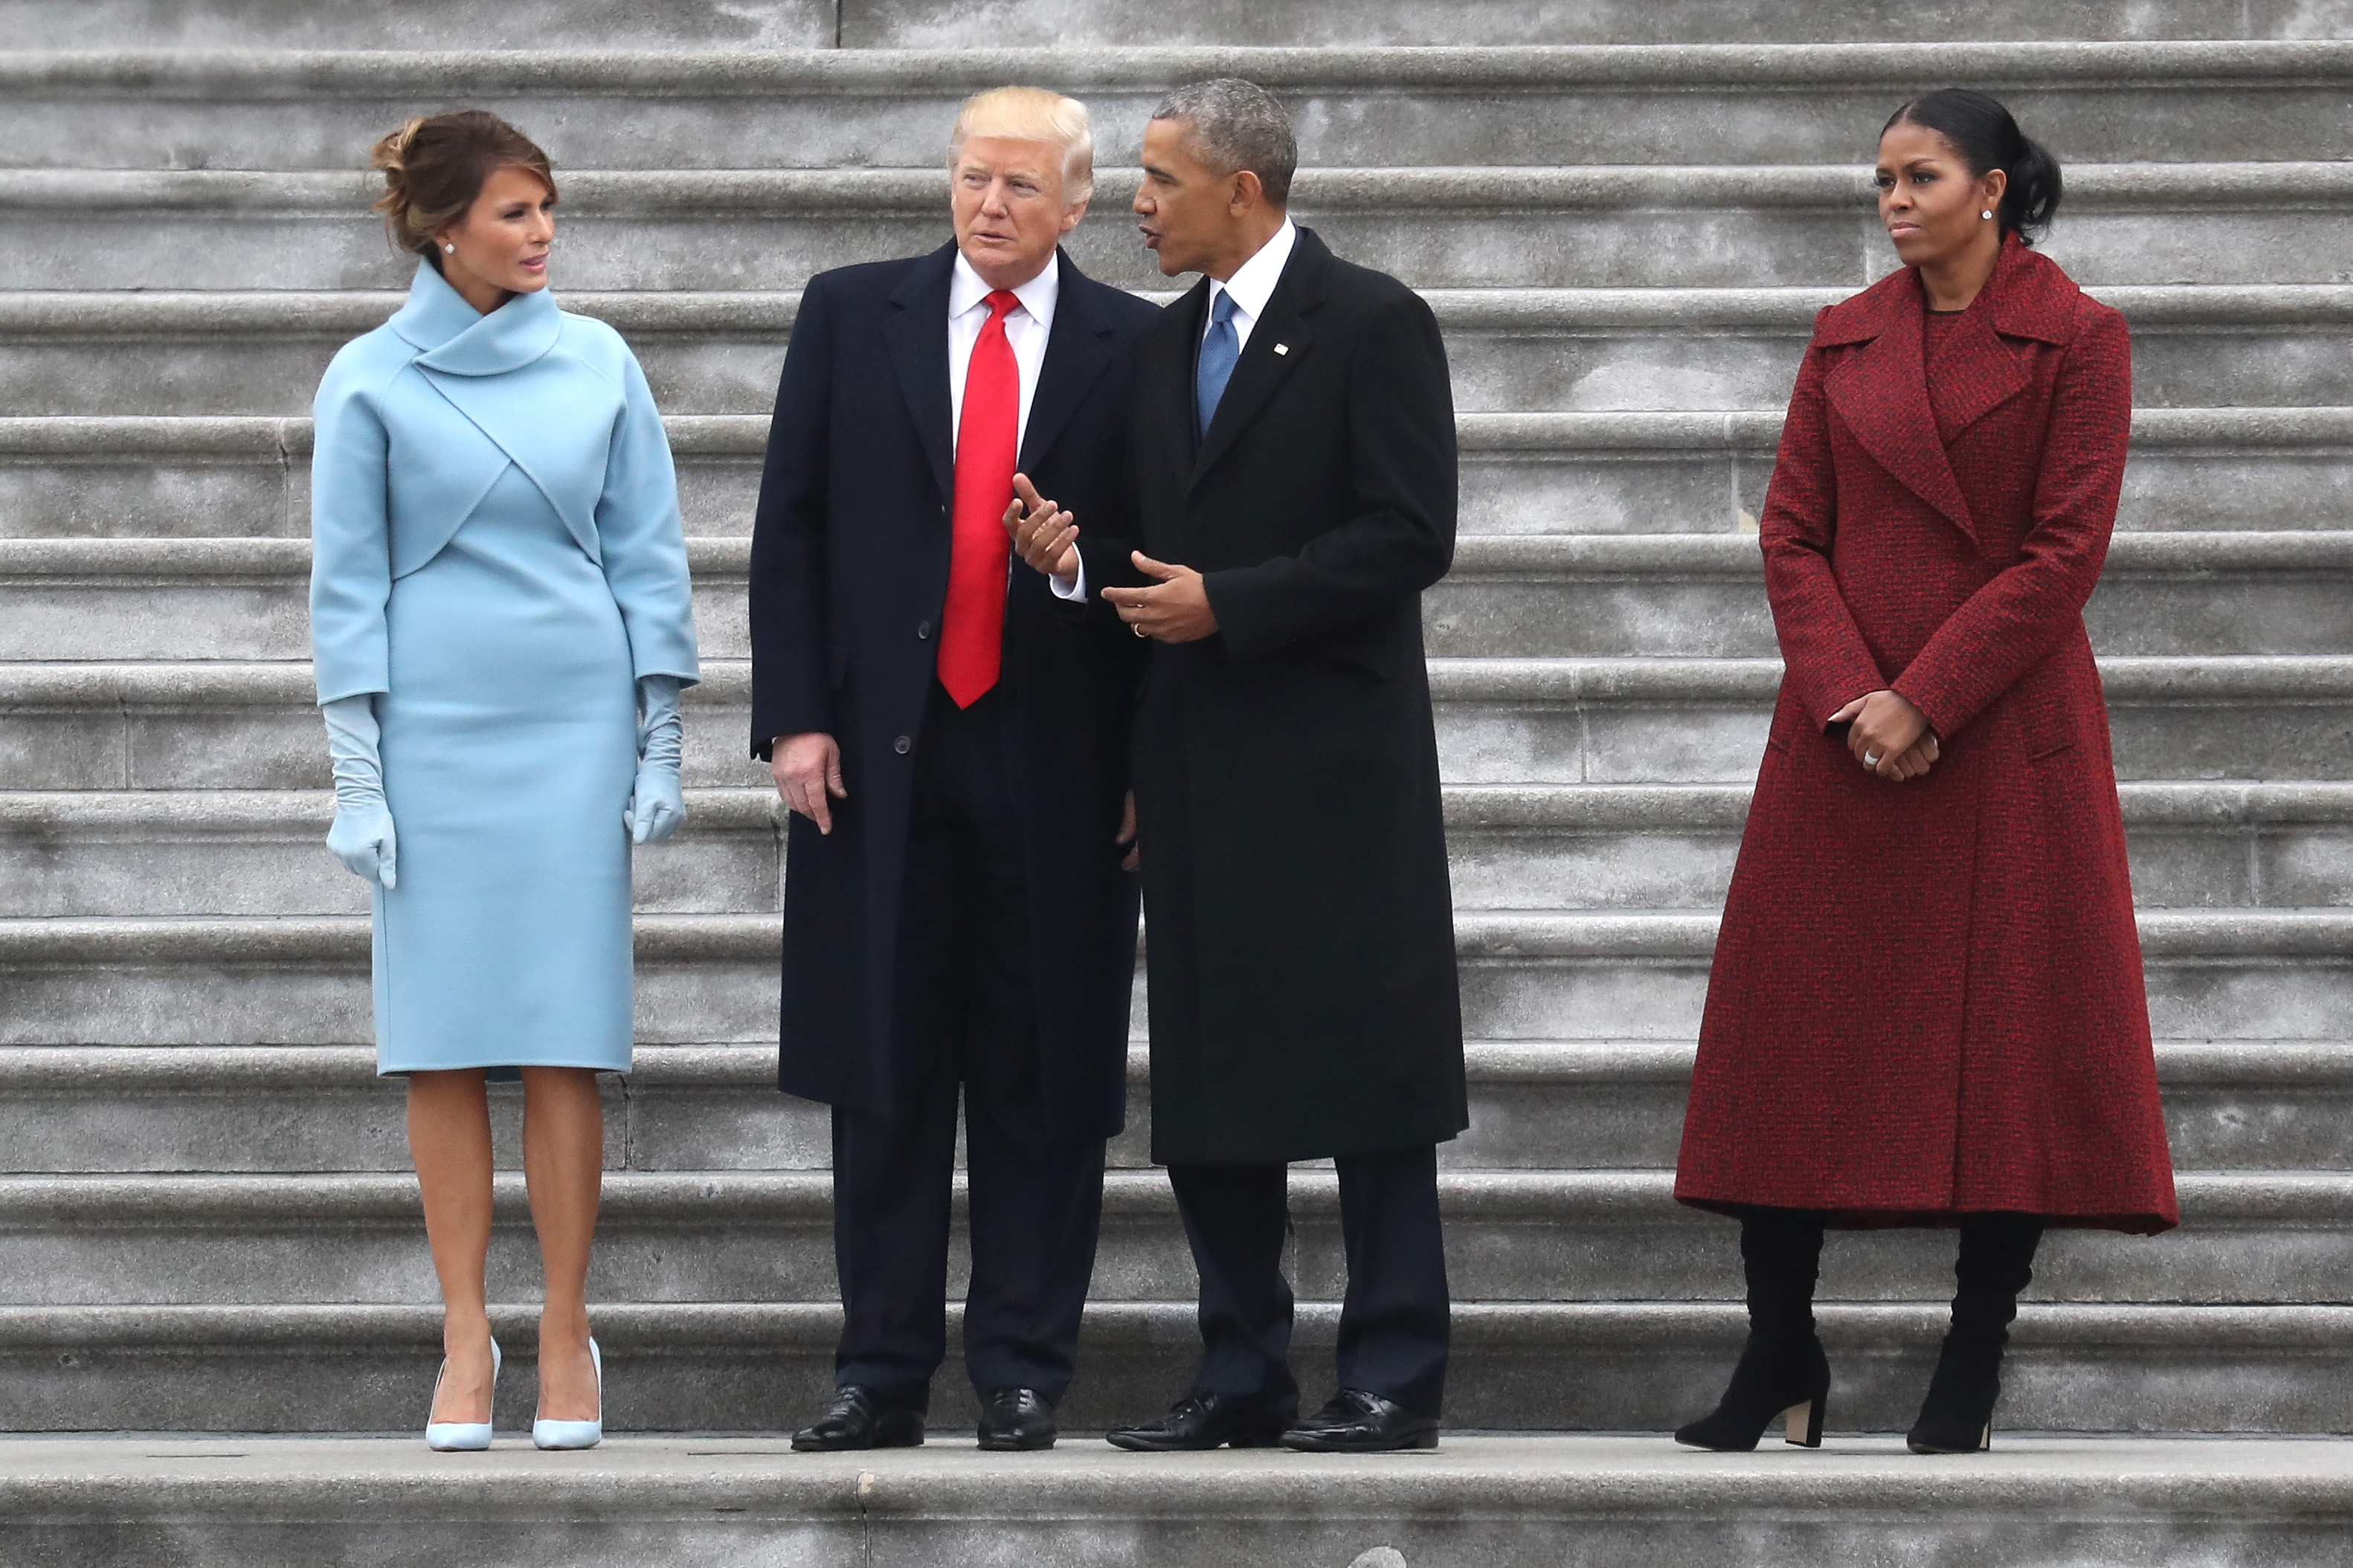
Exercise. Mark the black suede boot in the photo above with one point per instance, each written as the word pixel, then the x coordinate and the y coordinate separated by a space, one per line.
pixel 1995 1262
pixel 1782 1369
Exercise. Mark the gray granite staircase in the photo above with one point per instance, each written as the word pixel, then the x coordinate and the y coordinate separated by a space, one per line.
pixel 1625 216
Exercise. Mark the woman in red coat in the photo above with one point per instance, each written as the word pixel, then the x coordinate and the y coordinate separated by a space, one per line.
pixel 1926 1007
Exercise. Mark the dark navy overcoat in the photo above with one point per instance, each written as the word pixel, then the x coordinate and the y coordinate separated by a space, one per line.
pixel 849 566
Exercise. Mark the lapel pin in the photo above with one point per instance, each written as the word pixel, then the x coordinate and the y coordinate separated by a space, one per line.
pixel 1282 348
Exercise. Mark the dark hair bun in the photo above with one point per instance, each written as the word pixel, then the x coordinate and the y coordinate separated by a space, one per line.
pixel 434 167
pixel 1988 138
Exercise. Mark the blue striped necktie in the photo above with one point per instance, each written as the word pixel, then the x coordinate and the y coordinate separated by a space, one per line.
pixel 1219 350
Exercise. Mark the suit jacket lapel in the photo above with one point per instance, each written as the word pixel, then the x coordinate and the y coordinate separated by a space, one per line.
pixel 1882 392
pixel 918 338
pixel 1261 370
pixel 1077 351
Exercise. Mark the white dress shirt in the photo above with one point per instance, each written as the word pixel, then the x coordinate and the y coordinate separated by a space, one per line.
pixel 1027 329
pixel 1253 285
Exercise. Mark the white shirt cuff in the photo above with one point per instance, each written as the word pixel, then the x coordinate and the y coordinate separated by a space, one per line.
pixel 1074 591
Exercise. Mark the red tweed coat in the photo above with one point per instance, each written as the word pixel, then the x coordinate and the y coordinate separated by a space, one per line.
pixel 1927 997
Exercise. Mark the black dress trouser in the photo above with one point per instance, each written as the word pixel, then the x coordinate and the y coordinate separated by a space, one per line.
pixel 968 1028
pixel 1394 1318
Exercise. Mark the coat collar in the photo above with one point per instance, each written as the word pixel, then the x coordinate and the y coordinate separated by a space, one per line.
pixel 917 336
pixel 1278 340
pixel 1077 351
pixel 459 339
pixel 1881 391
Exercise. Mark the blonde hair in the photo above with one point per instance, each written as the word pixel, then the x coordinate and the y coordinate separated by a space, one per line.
pixel 1032 114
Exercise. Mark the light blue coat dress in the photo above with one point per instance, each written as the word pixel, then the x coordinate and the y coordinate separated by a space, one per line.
pixel 497 557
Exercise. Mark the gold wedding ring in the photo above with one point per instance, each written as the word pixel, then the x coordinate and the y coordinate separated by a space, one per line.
pixel 1138 630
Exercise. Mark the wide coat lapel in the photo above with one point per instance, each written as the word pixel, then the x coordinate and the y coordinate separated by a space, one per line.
pixel 917 337
pixel 1278 341
pixel 2027 297
pixel 1077 351
pixel 1881 391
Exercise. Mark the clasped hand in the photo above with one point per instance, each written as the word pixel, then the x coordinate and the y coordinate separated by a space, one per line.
pixel 1177 609
pixel 1888 735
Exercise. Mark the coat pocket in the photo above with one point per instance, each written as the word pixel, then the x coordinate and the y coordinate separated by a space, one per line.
pixel 2044 724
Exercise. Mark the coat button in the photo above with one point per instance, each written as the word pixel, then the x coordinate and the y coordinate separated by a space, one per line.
pixel 922 631
pixel 903 745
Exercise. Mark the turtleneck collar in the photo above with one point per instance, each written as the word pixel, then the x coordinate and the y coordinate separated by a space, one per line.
pixel 458 340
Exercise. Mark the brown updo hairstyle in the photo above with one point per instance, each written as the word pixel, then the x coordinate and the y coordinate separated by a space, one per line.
pixel 434 167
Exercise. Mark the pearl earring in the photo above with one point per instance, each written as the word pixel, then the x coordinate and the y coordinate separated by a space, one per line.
pixel 452 250
pixel 1986 214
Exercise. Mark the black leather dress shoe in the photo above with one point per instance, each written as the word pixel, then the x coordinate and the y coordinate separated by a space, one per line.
pixel 861 1418
pixel 1014 1418
pixel 1360 1423
pixel 1204 1421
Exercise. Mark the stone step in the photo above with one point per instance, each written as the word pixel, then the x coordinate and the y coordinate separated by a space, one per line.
pixel 1563 846
pixel 95 726
pixel 1528 720
pixel 2101 101
pixel 1521 1500
pixel 112 25
pixel 1540 1105
pixel 263 351
pixel 743 1235
pixel 726 1366
pixel 1597 225
pixel 2192 469
pixel 1699 595
pixel 2225 975
pixel 1549 596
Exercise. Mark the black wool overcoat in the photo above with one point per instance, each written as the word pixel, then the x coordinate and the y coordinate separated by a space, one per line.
pixel 1299 923
pixel 849 566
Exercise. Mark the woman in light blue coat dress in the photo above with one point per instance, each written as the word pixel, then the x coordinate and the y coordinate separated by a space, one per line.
pixel 500 626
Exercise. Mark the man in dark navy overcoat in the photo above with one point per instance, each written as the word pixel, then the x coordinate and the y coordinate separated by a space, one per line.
pixel 1293 446
pixel 951 732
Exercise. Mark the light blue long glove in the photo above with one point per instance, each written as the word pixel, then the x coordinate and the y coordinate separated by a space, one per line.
pixel 657 806
pixel 362 837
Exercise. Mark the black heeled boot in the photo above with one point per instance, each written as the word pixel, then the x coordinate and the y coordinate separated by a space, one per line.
pixel 1782 1370
pixel 1995 1262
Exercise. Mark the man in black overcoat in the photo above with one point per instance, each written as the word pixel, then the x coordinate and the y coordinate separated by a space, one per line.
pixel 1294 446
pixel 952 736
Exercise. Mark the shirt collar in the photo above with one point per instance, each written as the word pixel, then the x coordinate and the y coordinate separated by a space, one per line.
pixel 1252 284
pixel 967 289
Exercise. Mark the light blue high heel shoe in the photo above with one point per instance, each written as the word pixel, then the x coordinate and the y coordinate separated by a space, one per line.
pixel 548 1434
pixel 461 1437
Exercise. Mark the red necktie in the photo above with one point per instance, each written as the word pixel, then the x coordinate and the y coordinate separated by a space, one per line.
pixel 972 627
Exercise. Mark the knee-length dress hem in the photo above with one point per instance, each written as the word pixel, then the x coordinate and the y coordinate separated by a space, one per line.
pixel 498 558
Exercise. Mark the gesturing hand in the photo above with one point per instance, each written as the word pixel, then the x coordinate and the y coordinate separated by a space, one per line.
pixel 1176 610
pixel 807 770
pixel 1043 535
pixel 1887 736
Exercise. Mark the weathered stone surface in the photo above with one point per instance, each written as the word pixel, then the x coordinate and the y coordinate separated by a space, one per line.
pixel 207 1221
pixel 1600 226
pixel 722 1366
pixel 1712 102
pixel 1516 1502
